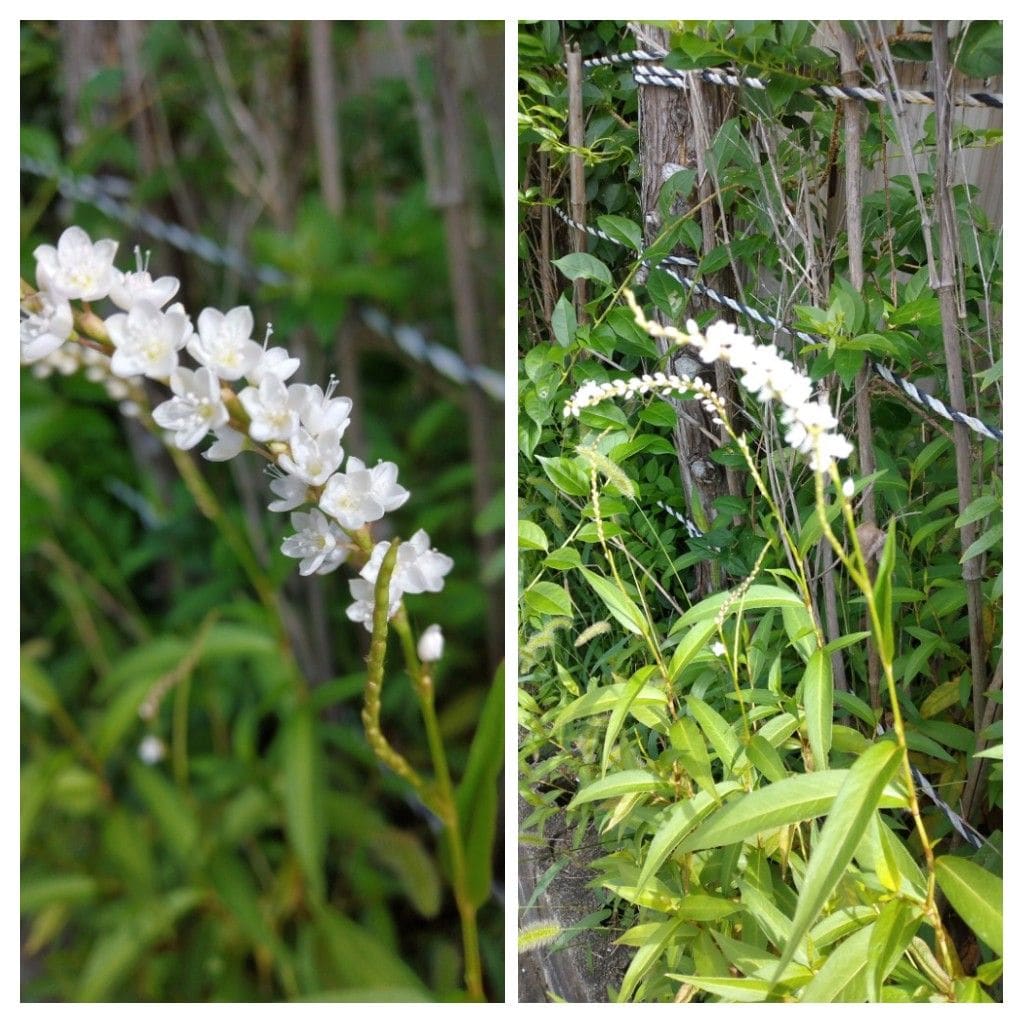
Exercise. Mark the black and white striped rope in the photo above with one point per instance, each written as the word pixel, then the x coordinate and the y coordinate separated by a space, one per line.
pixel 691 527
pixel 102 193
pixel 648 71
pixel 911 390
pixel 966 830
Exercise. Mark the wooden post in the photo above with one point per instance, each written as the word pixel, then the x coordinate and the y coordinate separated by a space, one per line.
pixel 667 144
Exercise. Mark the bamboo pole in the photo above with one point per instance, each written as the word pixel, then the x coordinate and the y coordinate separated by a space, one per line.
pixel 850 70
pixel 577 184
pixel 954 363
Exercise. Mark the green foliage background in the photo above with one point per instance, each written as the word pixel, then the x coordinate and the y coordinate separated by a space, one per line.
pixel 268 857
pixel 598 716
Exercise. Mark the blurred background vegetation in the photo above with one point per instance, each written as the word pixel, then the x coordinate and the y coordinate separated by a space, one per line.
pixel 266 856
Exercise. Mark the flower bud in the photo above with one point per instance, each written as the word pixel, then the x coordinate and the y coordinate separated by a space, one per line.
pixel 151 750
pixel 431 645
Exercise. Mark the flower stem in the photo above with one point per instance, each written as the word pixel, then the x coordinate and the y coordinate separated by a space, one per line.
pixel 445 805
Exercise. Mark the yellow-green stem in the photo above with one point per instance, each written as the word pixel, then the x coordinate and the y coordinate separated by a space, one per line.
pixel 447 807
pixel 375 675
pixel 857 568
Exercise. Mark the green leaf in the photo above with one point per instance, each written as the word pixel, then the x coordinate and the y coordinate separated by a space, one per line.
pixel 178 823
pixel 979 52
pixel 678 822
pixel 604 698
pixel 689 647
pixel 303 796
pixel 566 474
pixel 686 738
pixel 477 794
pixel 623 230
pixel 116 952
pixel 359 958
pixel 618 715
pixel 978 509
pixel 883 592
pixel 622 607
pixel 817 695
pixel 760 595
pixel 854 806
pixel 993 535
pixel 39 893
pixel 582 265
pixel 765 758
pixel 976 895
pixel 636 780
pixel 532 537
pixel 793 799
pixel 546 598
pixel 718 731
pixel 646 957
pixel 843 972
pixel 563 559
pixel 563 322
pixel 890 935
pixel 733 990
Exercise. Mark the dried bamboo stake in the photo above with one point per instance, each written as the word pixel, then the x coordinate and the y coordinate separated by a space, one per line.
pixel 954 365
pixel 547 274
pixel 855 245
pixel 577 185
pixel 453 198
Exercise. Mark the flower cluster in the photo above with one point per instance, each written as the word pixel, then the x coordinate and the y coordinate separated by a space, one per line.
pixel 764 372
pixel 298 428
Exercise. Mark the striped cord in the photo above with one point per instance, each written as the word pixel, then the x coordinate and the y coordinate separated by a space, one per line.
pixel 102 193
pixel 967 830
pixel 911 390
pixel 653 73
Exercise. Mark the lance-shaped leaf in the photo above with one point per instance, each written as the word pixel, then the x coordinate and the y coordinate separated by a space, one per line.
pixel 817 691
pixel 618 715
pixel 797 798
pixel 604 698
pixel 760 595
pixel 681 819
pixel 856 802
pixel 976 895
pixel 635 780
pixel 618 603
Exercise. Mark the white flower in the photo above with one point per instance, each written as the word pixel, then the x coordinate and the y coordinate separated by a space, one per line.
pixel 146 340
pixel 349 497
pixel 196 409
pixel 229 443
pixel 43 332
pixel 152 750
pixel 277 361
pixel 314 542
pixel 848 487
pixel 312 459
pixel 77 268
pixel 139 286
pixel 291 492
pixel 384 485
pixel 272 410
pixel 418 567
pixel 361 610
pixel 718 649
pixel 318 410
pixel 431 644
pixel 224 342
